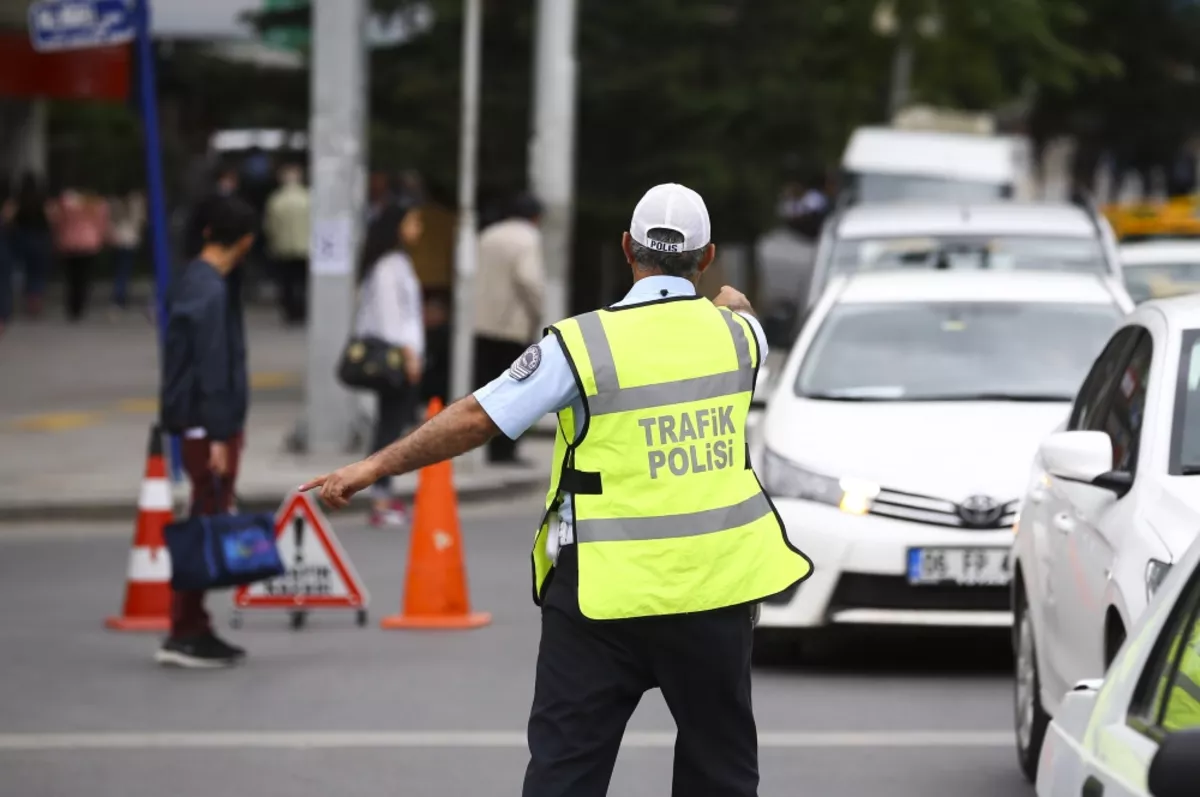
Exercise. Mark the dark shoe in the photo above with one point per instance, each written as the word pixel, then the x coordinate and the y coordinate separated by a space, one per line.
pixel 204 651
pixel 233 651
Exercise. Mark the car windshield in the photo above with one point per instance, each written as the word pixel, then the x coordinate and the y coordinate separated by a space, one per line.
pixel 955 351
pixel 1161 280
pixel 1185 436
pixel 874 187
pixel 996 253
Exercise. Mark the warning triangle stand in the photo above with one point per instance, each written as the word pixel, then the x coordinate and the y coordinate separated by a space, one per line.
pixel 319 573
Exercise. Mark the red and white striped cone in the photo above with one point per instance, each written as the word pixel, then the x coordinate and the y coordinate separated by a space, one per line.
pixel 148 583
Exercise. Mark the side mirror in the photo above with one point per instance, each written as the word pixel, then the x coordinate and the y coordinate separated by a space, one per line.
pixel 1175 770
pixel 1086 458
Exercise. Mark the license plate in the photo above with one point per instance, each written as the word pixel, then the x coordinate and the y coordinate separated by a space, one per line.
pixel 975 567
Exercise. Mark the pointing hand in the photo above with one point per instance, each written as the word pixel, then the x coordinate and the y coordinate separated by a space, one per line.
pixel 338 487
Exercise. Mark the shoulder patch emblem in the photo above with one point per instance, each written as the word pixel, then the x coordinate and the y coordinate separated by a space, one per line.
pixel 524 366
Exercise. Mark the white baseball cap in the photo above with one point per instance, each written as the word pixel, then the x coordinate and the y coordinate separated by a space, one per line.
pixel 673 207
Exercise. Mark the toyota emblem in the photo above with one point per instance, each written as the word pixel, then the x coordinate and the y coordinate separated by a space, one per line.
pixel 980 511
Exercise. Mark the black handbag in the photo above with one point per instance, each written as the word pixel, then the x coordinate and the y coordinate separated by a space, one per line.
pixel 370 363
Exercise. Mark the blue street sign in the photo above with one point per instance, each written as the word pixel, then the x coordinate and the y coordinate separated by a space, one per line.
pixel 79 24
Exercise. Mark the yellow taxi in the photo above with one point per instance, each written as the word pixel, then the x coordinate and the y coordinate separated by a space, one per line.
pixel 1178 217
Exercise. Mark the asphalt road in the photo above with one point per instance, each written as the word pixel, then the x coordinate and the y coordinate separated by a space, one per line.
pixel 335 709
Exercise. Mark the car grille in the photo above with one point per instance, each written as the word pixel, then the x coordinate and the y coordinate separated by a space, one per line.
pixel 938 511
pixel 861 591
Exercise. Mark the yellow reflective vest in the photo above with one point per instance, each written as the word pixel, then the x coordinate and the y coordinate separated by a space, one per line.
pixel 669 517
pixel 1183 697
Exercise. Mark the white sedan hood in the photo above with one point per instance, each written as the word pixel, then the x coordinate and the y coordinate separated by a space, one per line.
pixel 948 450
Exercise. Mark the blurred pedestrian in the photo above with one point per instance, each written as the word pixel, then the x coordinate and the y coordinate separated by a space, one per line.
pixel 205 399
pixel 80 222
pixel 287 231
pixel 7 209
pixel 379 194
pixel 32 243
pixel 127 213
pixel 509 289
pixel 389 308
pixel 226 185
pixel 435 381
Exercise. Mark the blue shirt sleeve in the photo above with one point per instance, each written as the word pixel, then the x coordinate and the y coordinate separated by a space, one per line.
pixel 514 405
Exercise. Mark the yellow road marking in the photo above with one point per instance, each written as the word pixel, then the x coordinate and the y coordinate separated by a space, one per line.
pixel 66 421
pixel 270 380
pixel 57 421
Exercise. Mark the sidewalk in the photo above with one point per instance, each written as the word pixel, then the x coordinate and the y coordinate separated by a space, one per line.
pixel 76 405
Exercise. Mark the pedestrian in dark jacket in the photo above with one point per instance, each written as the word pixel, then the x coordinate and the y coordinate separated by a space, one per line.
pixel 205 398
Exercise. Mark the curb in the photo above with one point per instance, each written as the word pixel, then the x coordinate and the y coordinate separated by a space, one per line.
pixel 126 508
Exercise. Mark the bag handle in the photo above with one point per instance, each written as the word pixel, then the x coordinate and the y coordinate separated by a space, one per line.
pixel 218 492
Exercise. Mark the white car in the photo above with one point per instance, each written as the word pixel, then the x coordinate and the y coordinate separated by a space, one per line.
pixel 1112 501
pixel 897 438
pixel 1161 269
pixel 963 236
pixel 1137 733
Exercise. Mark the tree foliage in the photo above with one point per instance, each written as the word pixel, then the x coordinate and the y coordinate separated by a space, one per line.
pixel 735 97
pixel 731 96
pixel 1147 110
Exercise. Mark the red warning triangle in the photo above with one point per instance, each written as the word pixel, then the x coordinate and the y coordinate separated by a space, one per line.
pixel 319 573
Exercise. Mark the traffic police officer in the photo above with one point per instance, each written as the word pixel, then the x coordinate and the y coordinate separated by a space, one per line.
pixel 657 540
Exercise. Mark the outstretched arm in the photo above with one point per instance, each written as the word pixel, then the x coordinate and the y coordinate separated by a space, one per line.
pixel 459 428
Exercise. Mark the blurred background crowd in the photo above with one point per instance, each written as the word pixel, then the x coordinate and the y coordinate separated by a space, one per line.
pixel 752 103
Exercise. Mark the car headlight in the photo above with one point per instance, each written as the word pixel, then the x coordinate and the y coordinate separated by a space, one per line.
pixel 1156 574
pixel 786 479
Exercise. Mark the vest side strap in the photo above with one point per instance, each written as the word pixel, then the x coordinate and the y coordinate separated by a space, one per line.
pixel 580 482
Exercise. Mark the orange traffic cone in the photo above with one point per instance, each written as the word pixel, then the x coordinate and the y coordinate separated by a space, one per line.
pixel 435 590
pixel 148 583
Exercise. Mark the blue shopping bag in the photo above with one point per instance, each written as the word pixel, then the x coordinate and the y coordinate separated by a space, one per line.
pixel 219 551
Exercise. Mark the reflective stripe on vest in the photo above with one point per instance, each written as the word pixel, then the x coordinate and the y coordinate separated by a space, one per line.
pixel 1182 710
pixel 669 517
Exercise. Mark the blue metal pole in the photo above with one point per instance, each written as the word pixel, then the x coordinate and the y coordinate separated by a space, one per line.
pixel 156 193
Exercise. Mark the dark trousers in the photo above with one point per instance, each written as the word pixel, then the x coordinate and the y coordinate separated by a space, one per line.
pixel 492 358
pixel 210 494
pixel 394 413
pixel 292 275
pixel 123 260
pixel 591 675
pixel 33 249
pixel 6 278
pixel 77 274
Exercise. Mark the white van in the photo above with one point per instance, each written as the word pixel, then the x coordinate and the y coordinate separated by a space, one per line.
pixel 887 164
